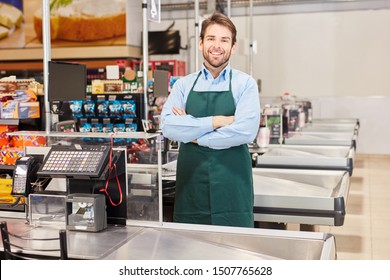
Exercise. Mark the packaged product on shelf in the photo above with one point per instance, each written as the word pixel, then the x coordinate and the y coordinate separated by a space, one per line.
pixel 20 141
pixel 89 109
pixel 28 110
pixel 115 109
pixel 102 108
pixel 119 128
pixel 129 79
pixel 129 109
pixel 24 96
pixel 8 128
pixel 9 109
pixel 10 155
pixel 25 84
pixel 7 87
pixel 85 127
pixel 96 127
pixel 113 86
pixel 97 87
pixel 108 127
pixel 4 140
pixel 131 127
pixel 76 106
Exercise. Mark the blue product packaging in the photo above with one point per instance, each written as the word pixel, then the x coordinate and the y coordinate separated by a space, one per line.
pixel 129 109
pixel 76 106
pixel 108 128
pixel 89 109
pixel 102 108
pixel 118 128
pixel 115 109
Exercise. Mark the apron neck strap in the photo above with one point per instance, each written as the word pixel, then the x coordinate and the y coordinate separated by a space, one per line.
pixel 193 85
pixel 200 72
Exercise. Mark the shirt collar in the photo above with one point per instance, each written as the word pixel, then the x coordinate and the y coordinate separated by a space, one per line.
pixel 224 75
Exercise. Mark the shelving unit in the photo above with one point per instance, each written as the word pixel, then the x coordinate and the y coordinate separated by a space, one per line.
pixel 9 122
pixel 102 52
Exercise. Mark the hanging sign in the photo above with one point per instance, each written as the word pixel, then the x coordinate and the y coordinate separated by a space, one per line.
pixel 154 10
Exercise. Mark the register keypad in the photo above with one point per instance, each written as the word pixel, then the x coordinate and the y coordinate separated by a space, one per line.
pixel 87 161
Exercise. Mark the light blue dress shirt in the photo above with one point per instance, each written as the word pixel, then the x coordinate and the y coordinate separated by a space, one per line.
pixel 188 128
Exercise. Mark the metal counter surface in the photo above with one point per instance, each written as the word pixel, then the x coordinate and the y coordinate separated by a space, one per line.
pixel 321 139
pixel 81 245
pixel 328 127
pixel 336 120
pixel 313 197
pixel 307 157
pixel 226 243
pixel 190 242
pixel 155 244
pixel 302 196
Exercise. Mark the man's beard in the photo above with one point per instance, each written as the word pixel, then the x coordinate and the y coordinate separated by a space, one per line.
pixel 216 63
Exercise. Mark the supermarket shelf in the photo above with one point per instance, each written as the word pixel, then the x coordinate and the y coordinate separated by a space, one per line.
pixel 123 51
pixel 9 122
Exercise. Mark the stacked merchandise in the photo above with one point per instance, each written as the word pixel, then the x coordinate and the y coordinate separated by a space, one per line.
pixel 113 114
pixel 12 147
pixel 103 115
pixel 18 101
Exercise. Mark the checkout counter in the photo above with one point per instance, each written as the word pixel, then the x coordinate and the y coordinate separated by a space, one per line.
pixel 329 127
pixel 325 138
pixel 187 242
pixel 353 121
pixel 309 197
pixel 127 232
pixel 304 157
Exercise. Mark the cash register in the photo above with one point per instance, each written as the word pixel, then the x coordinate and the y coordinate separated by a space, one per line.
pixel 95 176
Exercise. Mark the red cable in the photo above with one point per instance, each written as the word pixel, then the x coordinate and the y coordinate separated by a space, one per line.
pixel 110 168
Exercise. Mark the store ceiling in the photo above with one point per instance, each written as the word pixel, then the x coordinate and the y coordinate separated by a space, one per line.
pixel 185 5
pixel 180 9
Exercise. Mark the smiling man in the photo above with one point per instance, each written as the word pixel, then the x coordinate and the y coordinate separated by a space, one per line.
pixel 214 114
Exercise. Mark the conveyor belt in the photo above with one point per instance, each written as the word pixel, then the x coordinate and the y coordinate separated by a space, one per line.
pixel 314 197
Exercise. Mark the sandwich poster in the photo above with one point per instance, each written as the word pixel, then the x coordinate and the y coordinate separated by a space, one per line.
pixel 12 33
pixel 72 23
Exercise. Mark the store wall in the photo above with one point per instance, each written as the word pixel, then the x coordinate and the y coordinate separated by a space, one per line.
pixel 340 60
pixel 373 113
pixel 339 53
pixel 322 54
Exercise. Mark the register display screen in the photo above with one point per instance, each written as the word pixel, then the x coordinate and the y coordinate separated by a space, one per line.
pixel 67 81
pixel 21 169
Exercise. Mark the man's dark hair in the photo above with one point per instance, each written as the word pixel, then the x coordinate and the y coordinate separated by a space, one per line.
pixel 221 19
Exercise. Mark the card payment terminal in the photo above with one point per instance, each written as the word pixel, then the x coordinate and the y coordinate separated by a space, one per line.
pixel 21 185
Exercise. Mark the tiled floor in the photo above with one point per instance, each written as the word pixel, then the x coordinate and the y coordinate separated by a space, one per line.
pixel 365 234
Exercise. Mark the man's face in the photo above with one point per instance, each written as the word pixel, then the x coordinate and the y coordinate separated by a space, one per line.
pixel 217 46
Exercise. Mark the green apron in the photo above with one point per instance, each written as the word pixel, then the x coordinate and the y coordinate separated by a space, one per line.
pixel 213 186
